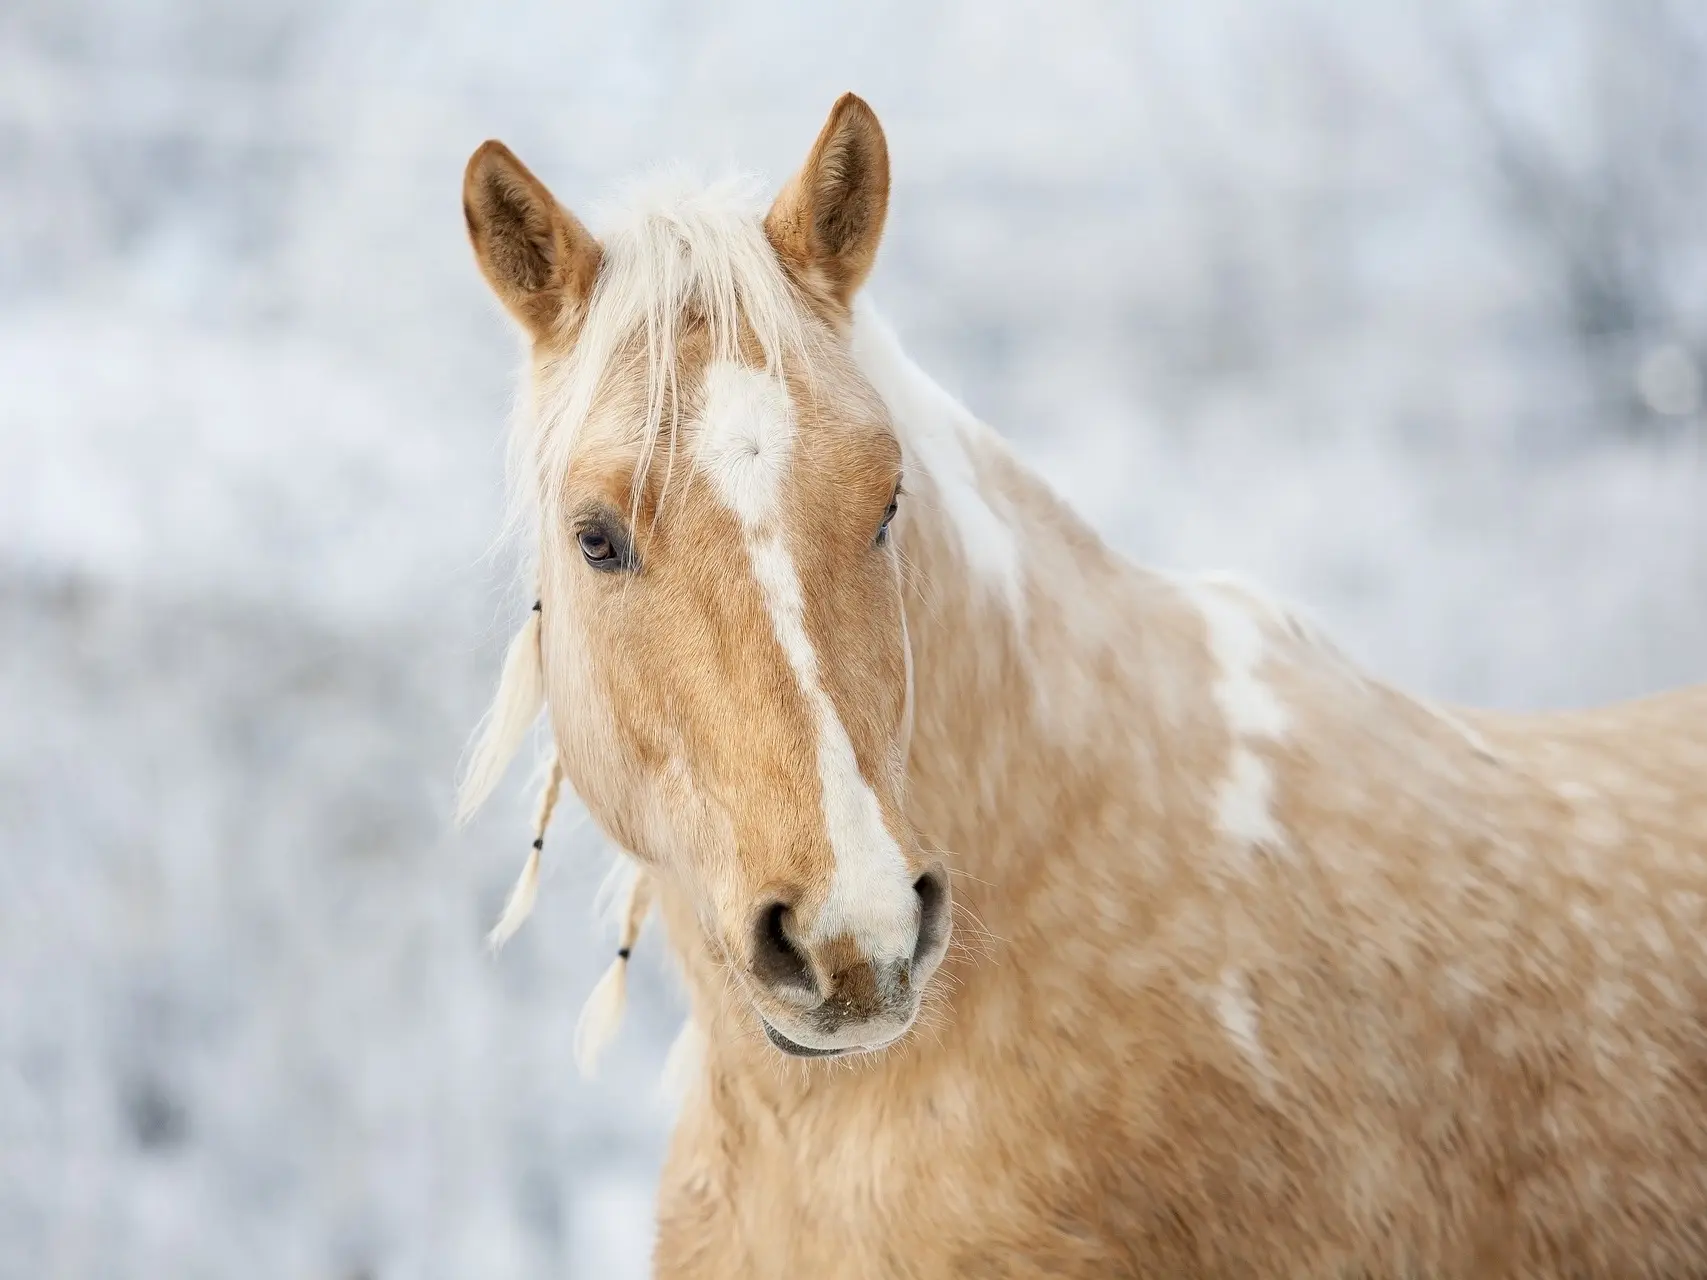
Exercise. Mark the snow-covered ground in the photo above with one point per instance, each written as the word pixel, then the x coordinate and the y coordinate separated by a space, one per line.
pixel 1399 307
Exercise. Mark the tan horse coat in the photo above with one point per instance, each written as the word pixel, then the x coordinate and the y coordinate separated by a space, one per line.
pixel 1282 973
pixel 1261 968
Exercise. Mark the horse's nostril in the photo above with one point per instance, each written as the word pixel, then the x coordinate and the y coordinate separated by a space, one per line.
pixel 932 891
pixel 776 960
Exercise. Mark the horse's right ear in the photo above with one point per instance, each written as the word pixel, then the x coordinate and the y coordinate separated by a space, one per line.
pixel 826 223
pixel 538 258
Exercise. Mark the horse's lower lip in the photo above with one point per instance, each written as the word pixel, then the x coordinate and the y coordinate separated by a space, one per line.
pixel 798 1050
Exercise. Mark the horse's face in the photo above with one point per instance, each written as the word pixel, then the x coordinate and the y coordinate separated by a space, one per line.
pixel 728 672
pixel 725 651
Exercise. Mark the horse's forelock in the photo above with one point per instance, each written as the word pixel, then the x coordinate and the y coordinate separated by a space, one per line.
pixel 680 259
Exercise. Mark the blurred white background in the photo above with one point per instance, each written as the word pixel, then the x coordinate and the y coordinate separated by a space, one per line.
pixel 1400 307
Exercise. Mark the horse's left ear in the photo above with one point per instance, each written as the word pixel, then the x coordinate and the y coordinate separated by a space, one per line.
pixel 538 258
pixel 826 223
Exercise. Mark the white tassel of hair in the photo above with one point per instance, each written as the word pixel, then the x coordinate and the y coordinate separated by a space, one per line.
pixel 602 1014
pixel 521 690
pixel 519 906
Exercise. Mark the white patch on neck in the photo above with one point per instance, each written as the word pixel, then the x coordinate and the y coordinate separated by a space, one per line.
pixel 1237 1013
pixel 1244 798
pixel 746 442
pixel 938 435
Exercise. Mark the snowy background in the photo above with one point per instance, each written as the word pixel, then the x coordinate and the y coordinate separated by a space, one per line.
pixel 1400 307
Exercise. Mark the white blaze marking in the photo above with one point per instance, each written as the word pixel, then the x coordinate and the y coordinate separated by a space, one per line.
pixel 745 447
pixel 746 442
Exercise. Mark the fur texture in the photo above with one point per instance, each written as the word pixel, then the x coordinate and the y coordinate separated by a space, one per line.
pixel 1260 967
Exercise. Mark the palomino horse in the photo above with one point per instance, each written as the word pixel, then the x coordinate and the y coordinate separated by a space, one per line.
pixel 1261 968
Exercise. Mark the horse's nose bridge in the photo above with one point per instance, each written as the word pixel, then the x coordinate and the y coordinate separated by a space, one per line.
pixel 872 917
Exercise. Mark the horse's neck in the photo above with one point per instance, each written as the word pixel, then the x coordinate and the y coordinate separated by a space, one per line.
pixel 1036 651
pixel 1032 643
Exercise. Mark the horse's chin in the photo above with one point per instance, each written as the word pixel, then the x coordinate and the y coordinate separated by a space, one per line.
pixel 794 1049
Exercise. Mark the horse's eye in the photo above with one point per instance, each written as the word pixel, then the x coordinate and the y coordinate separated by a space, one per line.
pixel 596 547
pixel 888 515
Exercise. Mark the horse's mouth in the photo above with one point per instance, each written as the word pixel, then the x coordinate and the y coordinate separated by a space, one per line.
pixel 794 1049
pixel 799 1050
